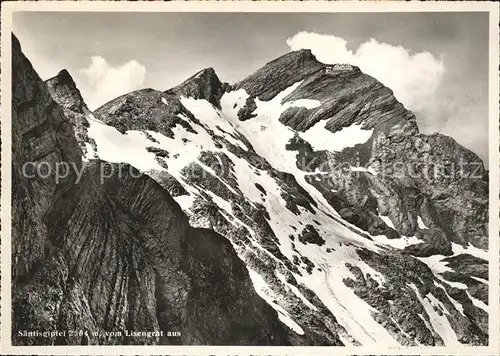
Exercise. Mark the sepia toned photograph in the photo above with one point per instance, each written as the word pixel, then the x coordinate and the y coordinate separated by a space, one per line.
pixel 250 178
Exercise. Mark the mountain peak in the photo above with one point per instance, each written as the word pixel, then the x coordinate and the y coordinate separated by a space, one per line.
pixel 63 89
pixel 15 43
pixel 63 77
pixel 280 73
pixel 305 55
pixel 205 84
pixel 206 73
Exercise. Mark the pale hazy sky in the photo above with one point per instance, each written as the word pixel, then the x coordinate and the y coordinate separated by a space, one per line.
pixel 436 63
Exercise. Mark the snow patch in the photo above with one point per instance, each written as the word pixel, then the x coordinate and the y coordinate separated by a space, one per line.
pixel 295 291
pixel 440 323
pixel 275 137
pixel 246 179
pixel 479 279
pixel 306 103
pixel 90 152
pixel 438 266
pixel 363 169
pixel 454 284
pixel 221 203
pixel 186 202
pixel 115 147
pixel 478 303
pixel 455 303
pixel 321 138
pixel 209 115
pixel 387 221
pixel 436 263
pixel 263 290
pixel 401 243
pixel 471 250
pixel 420 223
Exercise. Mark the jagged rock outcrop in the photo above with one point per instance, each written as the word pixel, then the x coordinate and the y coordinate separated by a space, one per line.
pixel 470 265
pixel 145 109
pixel 203 85
pixel 310 235
pixel 65 93
pixel 63 87
pixel 106 249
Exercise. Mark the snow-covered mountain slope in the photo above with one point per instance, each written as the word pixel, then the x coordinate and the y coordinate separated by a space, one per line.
pixel 307 172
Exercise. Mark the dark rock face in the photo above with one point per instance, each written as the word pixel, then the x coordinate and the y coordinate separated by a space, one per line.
pixel 219 279
pixel 310 235
pixel 279 74
pixel 203 85
pixel 145 109
pixel 105 255
pixel 400 303
pixel 246 112
pixel 470 265
pixel 63 90
pixel 446 196
pixel 347 97
pixel 168 182
pixel 40 133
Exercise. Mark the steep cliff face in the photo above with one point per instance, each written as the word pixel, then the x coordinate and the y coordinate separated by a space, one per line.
pixel 106 249
pixel 41 139
pixel 64 91
pixel 320 181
